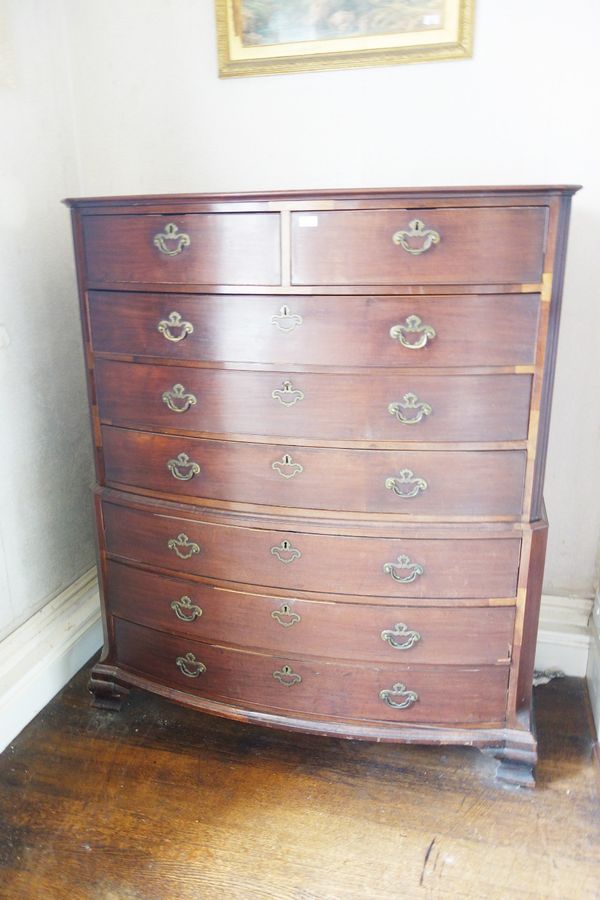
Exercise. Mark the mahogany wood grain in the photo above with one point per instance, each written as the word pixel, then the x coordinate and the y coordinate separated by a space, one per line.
pixel 318 562
pixel 482 246
pixel 485 483
pixel 529 617
pixel 284 519
pixel 227 248
pixel 474 636
pixel 285 291
pixel 558 261
pixel 486 330
pixel 451 694
pixel 349 407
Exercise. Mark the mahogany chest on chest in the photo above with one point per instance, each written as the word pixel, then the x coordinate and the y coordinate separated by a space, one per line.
pixel 320 423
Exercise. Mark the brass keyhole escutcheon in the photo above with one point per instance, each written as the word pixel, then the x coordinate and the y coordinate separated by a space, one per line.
pixel 285 616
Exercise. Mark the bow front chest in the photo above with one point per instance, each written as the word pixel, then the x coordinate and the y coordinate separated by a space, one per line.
pixel 320 424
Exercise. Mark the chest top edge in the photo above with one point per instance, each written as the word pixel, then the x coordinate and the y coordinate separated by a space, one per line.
pixel 265 199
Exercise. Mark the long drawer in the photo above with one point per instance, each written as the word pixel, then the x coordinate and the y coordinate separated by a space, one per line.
pixel 406 635
pixel 204 248
pixel 381 407
pixel 487 330
pixel 478 245
pixel 384 692
pixel 442 483
pixel 370 566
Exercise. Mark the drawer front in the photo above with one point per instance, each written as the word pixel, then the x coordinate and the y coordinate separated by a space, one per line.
pixel 490 330
pixel 449 694
pixel 324 563
pixel 351 631
pixel 454 246
pixel 315 406
pixel 216 248
pixel 442 483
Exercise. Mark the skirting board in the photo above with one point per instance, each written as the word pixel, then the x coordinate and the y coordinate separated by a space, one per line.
pixel 563 635
pixel 40 657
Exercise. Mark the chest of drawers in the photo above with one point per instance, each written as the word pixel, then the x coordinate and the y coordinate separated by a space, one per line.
pixel 320 423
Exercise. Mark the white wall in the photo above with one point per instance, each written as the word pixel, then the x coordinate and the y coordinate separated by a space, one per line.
pixel 152 116
pixel 45 515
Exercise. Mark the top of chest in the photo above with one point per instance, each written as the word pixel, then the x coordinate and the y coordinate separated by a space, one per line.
pixel 380 239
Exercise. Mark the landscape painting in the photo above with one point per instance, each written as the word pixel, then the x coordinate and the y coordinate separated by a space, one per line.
pixel 259 37
pixel 267 22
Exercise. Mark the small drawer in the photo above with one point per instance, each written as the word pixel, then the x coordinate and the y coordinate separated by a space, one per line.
pixel 435 483
pixel 476 245
pixel 486 330
pixel 324 563
pixel 210 248
pixel 381 407
pixel 351 631
pixel 383 692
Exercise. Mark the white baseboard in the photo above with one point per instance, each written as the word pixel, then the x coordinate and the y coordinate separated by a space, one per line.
pixel 563 636
pixel 593 668
pixel 40 657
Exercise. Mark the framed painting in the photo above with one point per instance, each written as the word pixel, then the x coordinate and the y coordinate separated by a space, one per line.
pixel 268 37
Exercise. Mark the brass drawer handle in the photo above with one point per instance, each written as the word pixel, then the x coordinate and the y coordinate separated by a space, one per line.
pixel 175 321
pixel 417 230
pixel 286 321
pixel 287 394
pixel 403 564
pixel 400 630
pixel 286 467
pixel 286 676
pixel 185 610
pixel 285 553
pixel 410 402
pixel 190 666
pixel 413 325
pixel 406 477
pixel 183 547
pixel 398 690
pixel 285 616
pixel 183 462
pixel 177 240
pixel 177 395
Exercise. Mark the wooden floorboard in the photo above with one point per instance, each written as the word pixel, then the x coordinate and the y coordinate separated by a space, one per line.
pixel 157 801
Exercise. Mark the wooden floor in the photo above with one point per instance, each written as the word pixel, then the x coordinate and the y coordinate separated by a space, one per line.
pixel 160 802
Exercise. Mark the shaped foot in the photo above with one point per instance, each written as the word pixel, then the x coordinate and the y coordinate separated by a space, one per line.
pixel 519 774
pixel 516 759
pixel 106 693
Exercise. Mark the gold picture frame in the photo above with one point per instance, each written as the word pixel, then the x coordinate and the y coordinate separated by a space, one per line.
pixel 271 37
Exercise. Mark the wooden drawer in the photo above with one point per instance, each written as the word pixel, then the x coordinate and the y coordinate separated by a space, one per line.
pixel 485 245
pixel 370 566
pixel 481 636
pixel 451 694
pixel 381 407
pixel 440 483
pixel 487 330
pixel 222 248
